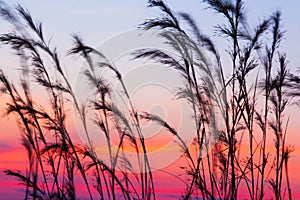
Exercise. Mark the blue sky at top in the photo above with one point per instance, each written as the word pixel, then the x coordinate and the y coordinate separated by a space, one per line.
pixel 97 21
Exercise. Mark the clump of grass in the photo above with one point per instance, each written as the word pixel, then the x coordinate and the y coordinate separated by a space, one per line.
pixel 221 173
pixel 55 161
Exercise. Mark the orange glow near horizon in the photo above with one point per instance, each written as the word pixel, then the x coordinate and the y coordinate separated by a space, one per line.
pixel 16 158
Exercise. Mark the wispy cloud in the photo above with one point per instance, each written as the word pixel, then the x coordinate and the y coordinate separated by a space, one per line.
pixel 5 146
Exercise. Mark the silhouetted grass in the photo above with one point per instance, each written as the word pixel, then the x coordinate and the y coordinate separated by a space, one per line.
pixel 54 160
pixel 249 51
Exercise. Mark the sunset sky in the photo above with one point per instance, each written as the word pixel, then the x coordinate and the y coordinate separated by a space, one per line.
pixel 98 22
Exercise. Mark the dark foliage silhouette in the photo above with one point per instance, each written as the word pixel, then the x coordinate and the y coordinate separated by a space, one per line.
pixel 217 165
